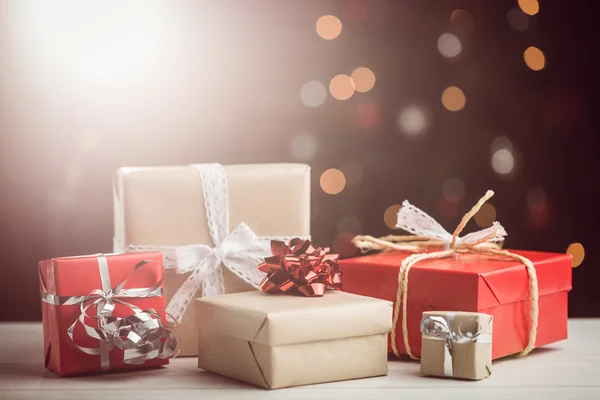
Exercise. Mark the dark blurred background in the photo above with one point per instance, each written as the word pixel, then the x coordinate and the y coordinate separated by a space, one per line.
pixel 437 101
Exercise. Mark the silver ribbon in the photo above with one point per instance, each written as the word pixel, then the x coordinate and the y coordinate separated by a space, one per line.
pixel 438 328
pixel 142 335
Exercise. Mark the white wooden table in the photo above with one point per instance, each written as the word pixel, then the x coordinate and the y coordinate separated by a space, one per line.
pixel 566 370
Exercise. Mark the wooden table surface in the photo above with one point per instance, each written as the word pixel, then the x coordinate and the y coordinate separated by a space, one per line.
pixel 565 370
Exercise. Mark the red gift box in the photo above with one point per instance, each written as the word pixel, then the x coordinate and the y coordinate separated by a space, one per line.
pixel 73 277
pixel 471 282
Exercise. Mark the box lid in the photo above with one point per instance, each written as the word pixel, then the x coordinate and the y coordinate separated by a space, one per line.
pixel 465 281
pixel 283 319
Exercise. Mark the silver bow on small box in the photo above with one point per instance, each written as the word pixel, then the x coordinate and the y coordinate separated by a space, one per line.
pixel 456 344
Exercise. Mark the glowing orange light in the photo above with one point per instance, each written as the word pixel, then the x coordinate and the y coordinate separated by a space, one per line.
pixel 390 216
pixel 364 79
pixel 329 27
pixel 534 58
pixel 577 251
pixel 453 99
pixel 333 181
pixel 342 87
pixel 486 215
pixel 530 7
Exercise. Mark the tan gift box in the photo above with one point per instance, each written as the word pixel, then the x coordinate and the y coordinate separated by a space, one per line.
pixel 456 344
pixel 165 206
pixel 276 341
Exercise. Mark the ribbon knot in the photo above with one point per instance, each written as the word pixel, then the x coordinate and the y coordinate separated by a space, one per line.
pixel 238 250
pixel 437 327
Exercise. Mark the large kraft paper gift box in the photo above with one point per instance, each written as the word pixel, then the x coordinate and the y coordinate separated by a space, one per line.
pixel 472 283
pixel 186 212
pixel 277 340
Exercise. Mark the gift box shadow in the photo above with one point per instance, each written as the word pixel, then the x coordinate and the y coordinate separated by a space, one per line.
pixel 24 369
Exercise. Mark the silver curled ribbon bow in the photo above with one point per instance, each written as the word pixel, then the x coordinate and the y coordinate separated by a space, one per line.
pixel 142 335
pixel 438 328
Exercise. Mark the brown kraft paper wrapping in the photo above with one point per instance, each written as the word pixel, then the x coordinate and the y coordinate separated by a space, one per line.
pixel 276 341
pixel 164 206
pixel 469 359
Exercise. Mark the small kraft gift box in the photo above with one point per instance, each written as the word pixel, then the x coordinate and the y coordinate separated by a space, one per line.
pixel 456 345
pixel 104 312
pixel 295 331
pixel 433 270
pixel 212 223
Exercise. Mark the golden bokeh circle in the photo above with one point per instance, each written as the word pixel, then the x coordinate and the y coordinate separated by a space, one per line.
pixel 486 215
pixel 462 20
pixel 342 87
pixel 333 181
pixel 390 216
pixel 364 79
pixel 529 7
pixel 329 27
pixel 534 58
pixel 577 251
pixel 453 99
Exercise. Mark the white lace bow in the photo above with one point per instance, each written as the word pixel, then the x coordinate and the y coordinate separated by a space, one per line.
pixel 417 222
pixel 240 251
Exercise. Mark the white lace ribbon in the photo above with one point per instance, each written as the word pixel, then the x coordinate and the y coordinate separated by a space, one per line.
pixel 417 222
pixel 240 251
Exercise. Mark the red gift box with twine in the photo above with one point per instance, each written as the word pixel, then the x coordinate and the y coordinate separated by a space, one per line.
pixel 525 291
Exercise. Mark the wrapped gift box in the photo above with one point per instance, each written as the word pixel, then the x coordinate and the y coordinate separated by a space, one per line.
pixel 164 206
pixel 76 277
pixel 470 282
pixel 276 341
pixel 456 344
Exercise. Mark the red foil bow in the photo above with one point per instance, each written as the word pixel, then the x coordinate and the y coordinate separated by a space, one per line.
pixel 300 269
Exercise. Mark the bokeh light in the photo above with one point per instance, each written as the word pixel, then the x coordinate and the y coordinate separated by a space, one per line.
pixel 462 20
pixel 503 161
pixel 329 27
pixel 412 121
pixel 342 87
pixel 364 79
pixel 534 58
pixel 447 209
pixel 349 224
pixel 303 147
pixel 453 99
pixel 500 142
pixel 486 215
pixel 449 45
pixel 536 199
pixel 517 19
pixel 333 181
pixel 367 115
pixel 343 245
pixel 577 251
pixel 538 214
pixel 453 190
pixel 353 172
pixel 313 93
pixel 390 216
pixel 530 7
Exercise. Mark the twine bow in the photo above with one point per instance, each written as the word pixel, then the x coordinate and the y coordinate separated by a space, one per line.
pixel 142 335
pixel 428 235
